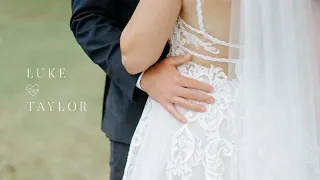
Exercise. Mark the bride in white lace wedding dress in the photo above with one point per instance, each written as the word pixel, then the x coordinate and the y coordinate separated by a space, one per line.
pixel 227 142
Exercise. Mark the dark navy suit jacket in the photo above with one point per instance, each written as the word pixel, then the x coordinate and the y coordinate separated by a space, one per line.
pixel 97 27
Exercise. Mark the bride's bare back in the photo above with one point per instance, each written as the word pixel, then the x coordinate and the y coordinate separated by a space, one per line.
pixel 216 20
pixel 202 30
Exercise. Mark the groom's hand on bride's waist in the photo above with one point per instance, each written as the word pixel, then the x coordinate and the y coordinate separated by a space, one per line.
pixel 168 87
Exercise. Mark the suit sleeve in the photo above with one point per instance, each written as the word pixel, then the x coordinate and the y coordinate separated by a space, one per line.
pixel 93 26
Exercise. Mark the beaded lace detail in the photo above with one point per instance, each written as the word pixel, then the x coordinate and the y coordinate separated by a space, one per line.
pixel 184 34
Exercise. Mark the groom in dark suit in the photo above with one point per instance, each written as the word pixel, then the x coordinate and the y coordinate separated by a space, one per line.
pixel 97 27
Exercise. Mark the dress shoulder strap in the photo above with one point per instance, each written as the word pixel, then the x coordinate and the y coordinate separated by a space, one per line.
pixel 200 15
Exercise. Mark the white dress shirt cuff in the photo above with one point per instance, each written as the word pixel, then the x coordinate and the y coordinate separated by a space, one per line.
pixel 138 82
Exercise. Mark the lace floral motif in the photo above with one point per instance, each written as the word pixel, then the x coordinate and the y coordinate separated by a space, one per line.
pixel 209 136
pixel 180 37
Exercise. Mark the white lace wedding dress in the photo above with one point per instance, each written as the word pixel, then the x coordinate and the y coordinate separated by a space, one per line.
pixel 203 149
pixel 280 135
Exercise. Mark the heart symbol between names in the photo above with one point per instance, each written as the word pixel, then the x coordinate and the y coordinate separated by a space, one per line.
pixel 32 89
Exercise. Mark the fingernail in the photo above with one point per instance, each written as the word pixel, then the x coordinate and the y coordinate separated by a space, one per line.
pixel 203 109
pixel 211 100
pixel 188 55
pixel 211 89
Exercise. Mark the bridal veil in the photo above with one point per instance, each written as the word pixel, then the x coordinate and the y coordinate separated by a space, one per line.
pixel 279 136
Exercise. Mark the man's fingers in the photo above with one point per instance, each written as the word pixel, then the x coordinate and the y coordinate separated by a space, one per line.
pixel 194 95
pixel 175 113
pixel 195 84
pixel 188 105
pixel 179 60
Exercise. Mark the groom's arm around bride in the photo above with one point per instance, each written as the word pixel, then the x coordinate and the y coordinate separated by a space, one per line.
pixel 97 26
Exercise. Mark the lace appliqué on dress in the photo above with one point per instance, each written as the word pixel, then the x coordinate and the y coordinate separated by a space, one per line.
pixel 180 37
pixel 208 138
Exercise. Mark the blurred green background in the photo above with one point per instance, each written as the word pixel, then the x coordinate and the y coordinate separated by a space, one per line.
pixel 49 145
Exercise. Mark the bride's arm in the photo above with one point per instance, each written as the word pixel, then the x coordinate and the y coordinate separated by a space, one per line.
pixel 144 37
